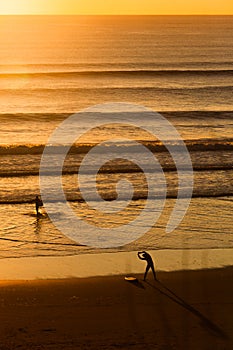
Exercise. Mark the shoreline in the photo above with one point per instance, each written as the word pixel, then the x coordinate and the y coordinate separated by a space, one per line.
pixel 111 264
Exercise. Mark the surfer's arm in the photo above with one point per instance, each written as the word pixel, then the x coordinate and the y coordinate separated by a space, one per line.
pixel 140 256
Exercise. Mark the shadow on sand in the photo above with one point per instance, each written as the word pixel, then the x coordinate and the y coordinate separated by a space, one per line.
pixel 175 298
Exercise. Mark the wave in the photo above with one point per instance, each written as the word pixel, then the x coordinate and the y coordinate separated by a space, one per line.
pixel 189 115
pixel 136 197
pixel 97 65
pixel 115 72
pixel 114 170
pixel 126 89
pixel 41 117
pixel 154 146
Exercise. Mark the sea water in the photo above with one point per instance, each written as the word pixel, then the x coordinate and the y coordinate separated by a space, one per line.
pixel 52 67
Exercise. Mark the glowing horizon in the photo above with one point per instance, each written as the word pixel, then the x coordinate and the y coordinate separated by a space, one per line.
pixel 116 7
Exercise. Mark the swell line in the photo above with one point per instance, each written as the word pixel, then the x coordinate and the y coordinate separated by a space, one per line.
pixel 135 198
pixel 38 242
pixel 112 89
pixel 47 116
pixel 117 170
pixel 137 72
pixel 154 146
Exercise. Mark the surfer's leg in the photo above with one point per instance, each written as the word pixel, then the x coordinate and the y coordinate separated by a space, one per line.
pixel 153 270
pixel 147 269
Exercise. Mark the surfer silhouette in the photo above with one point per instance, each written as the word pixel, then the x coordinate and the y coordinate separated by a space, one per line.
pixel 150 265
pixel 39 204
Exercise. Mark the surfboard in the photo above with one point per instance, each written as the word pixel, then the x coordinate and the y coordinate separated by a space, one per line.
pixel 130 279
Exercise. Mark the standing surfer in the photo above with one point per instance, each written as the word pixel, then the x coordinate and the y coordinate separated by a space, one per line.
pixel 150 265
pixel 39 204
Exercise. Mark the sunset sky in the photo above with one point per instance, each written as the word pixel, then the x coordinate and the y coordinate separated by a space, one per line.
pixel 94 7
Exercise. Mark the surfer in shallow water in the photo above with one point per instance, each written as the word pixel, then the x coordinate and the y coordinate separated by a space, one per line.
pixel 39 204
pixel 150 265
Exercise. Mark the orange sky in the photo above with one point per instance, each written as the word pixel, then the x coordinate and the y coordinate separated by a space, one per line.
pixel 116 6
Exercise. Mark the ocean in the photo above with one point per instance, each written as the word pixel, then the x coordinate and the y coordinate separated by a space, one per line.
pixel 54 66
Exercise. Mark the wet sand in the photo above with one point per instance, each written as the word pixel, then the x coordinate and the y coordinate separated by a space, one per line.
pixel 184 310
pixel 106 264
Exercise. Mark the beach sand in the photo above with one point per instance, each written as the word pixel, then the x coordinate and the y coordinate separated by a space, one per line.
pixel 184 310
